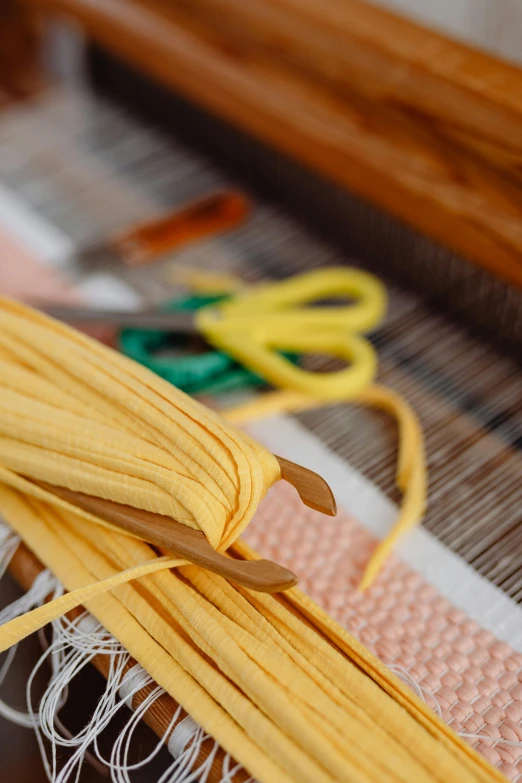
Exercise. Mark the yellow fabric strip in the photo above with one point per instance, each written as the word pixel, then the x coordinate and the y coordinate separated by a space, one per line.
pixel 142 443
pixel 279 685
pixel 411 475
pixel 289 689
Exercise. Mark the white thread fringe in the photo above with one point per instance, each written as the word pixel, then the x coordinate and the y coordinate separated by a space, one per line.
pixel 8 544
pixel 185 745
pixel 182 735
pixel 42 586
pixel 73 645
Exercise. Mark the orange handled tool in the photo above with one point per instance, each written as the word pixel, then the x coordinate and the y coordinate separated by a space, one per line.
pixel 213 214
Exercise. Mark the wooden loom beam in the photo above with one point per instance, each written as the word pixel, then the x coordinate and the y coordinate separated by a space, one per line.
pixel 425 127
pixel 20 71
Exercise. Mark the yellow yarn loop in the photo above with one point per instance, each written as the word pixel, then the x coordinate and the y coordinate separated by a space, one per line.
pixel 77 414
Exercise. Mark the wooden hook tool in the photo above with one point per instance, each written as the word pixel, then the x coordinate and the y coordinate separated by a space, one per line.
pixel 166 533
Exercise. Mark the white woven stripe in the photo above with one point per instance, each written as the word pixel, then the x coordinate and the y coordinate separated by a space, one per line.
pixel 50 244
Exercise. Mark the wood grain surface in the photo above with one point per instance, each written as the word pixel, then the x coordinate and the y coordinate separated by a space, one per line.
pixel 21 74
pixel 423 126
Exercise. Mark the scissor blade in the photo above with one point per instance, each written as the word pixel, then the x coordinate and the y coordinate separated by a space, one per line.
pixel 145 319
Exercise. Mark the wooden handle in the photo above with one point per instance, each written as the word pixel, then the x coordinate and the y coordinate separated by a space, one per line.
pixel 164 532
pixel 25 567
pixel 180 540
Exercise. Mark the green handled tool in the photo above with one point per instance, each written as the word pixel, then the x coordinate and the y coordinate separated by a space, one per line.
pixel 184 359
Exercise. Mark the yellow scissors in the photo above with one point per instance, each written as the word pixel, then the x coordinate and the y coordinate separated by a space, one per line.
pixel 256 325
pixel 253 327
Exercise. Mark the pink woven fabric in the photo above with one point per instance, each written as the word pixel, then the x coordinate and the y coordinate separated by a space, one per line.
pixel 476 679
pixel 24 277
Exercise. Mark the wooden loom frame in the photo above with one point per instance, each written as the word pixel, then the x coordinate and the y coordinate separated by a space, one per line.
pixel 425 127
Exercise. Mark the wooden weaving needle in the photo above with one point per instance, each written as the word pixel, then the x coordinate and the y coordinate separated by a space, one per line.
pixel 262 575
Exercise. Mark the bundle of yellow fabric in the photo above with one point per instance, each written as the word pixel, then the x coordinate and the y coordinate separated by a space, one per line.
pixel 280 685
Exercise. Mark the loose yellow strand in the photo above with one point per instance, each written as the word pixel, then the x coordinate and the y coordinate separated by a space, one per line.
pixel 411 467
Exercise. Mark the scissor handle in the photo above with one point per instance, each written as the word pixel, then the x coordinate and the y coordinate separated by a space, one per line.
pixel 261 358
pixel 284 301
pixel 253 326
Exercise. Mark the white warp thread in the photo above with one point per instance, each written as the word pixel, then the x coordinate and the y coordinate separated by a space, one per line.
pixel 74 644
pixel 183 769
pixel 132 682
pixel 9 541
pixel 135 680
pixel 44 584
pixel 421 692
pixel 182 735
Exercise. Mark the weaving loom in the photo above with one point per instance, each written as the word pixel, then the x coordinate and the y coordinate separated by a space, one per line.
pixel 77 166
